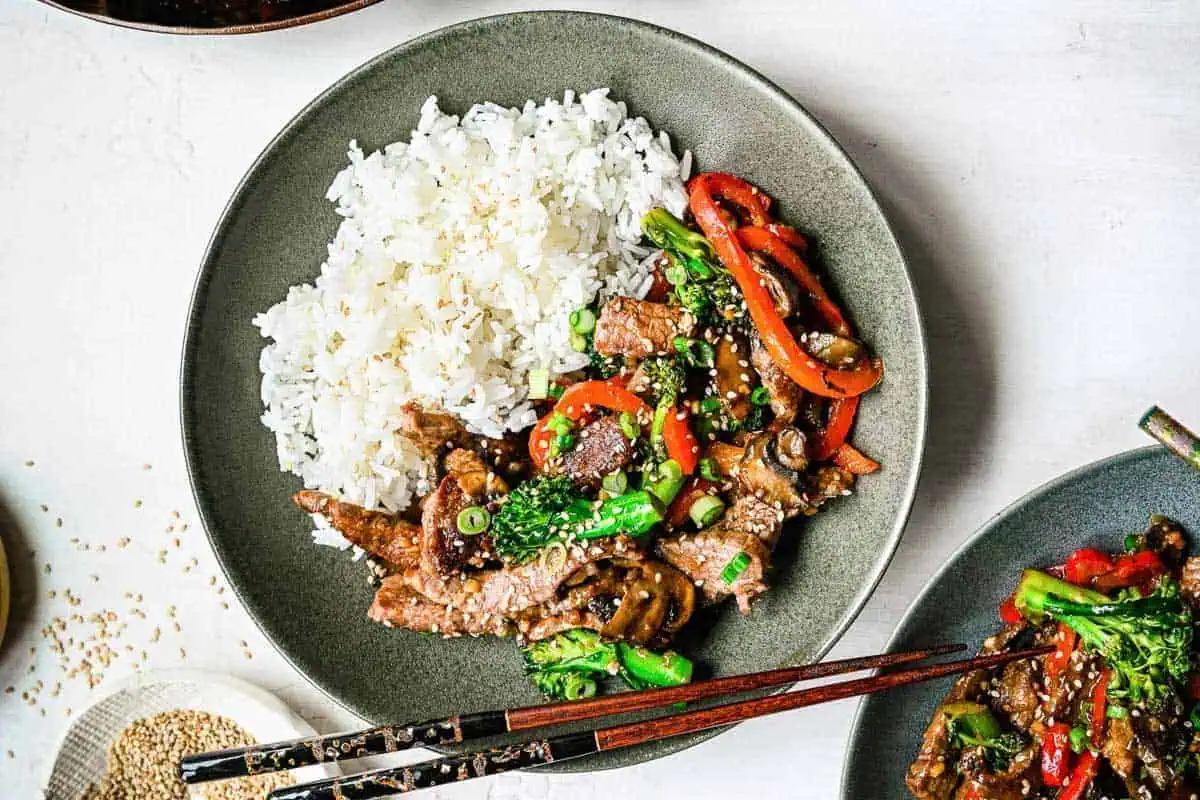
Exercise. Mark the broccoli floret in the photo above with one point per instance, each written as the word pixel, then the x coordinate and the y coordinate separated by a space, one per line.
pixel 701 284
pixel 549 509
pixel 566 666
pixel 1146 641
pixel 973 725
pixel 667 377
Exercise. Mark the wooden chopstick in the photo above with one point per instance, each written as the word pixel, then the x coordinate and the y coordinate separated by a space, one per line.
pixel 380 783
pixel 260 758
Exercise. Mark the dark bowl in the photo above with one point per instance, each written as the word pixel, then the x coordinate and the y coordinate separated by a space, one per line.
pixel 1096 505
pixel 311 601
pixel 194 17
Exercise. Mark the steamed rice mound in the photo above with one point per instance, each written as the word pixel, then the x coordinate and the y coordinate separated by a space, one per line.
pixel 460 255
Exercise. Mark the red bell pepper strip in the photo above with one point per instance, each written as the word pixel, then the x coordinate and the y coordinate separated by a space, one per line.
pixel 677 513
pixel 1064 645
pixel 574 405
pixel 681 443
pixel 736 192
pixel 1086 564
pixel 762 240
pixel 1100 706
pixel 800 366
pixel 790 235
pixel 1009 614
pixel 837 427
pixel 1081 777
pixel 1056 754
pixel 853 461
pixel 1136 569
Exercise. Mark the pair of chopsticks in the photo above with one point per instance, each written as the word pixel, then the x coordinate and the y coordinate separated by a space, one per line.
pixel 257 759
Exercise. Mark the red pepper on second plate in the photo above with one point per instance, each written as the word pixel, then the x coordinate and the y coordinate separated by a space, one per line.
pixel 1056 754
pixel 1081 777
pixel 1064 645
pixel 1086 564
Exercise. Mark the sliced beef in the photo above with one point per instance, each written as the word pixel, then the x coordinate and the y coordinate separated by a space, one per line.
pixel 601 448
pixel 433 432
pixel 444 548
pixel 507 591
pixel 750 526
pixel 786 394
pixel 1019 781
pixel 734 379
pixel 1016 693
pixel 389 538
pixel 1118 747
pixel 397 605
pixel 639 328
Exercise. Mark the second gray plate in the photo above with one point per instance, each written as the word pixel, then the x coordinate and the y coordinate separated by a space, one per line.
pixel 311 601
pixel 1095 505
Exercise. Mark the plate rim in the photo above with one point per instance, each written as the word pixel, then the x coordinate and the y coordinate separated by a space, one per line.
pixel 762 83
pixel 345 7
pixel 959 552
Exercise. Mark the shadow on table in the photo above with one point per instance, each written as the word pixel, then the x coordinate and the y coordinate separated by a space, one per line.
pixel 962 375
pixel 23 572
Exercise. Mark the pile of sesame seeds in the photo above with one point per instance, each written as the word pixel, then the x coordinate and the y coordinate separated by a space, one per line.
pixel 143 760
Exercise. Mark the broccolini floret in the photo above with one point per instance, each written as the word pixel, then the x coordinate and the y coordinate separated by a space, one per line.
pixel 1146 641
pixel 567 665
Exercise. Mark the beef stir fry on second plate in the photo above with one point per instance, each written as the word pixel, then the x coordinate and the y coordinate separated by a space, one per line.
pixel 1111 713
pixel 659 479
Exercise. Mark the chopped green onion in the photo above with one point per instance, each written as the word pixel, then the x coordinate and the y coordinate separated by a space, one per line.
pixel 629 425
pixel 665 481
pixel 1078 739
pixel 710 470
pixel 710 404
pixel 736 566
pixel 675 275
pixel 559 423
pixel 473 520
pixel 556 390
pixel 1118 712
pixel 705 511
pixel 581 690
pixel 583 320
pixel 539 383
pixel 615 482
pixel 579 342
pixel 564 442
pixel 760 396
pixel 1131 543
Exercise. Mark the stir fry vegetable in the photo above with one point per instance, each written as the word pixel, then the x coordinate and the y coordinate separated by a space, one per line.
pixel 972 725
pixel 567 666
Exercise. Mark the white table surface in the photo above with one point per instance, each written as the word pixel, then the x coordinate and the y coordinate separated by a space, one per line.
pixel 1041 165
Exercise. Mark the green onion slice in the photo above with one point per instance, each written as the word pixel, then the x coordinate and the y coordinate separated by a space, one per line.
pixel 559 423
pixel 736 566
pixel 629 425
pixel 473 520
pixel 615 483
pixel 539 384
pixel 705 511
pixel 583 320
pixel 579 342
pixel 760 396
pixel 710 470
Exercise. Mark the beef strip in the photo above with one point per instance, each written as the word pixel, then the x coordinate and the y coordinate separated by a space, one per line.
pixel 1016 693
pixel 600 449
pixel 750 526
pixel 397 605
pixel 1117 747
pixel 433 432
pixel 444 548
pixel 786 394
pixel 1018 781
pixel 639 328
pixel 391 539
pixel 509 590
pixel 932 775
pixel 734 380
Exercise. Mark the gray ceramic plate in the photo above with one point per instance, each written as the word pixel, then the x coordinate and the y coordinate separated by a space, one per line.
pixel 311 601
pixel 1095 505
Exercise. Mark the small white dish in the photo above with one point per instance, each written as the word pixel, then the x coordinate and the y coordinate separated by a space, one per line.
pixel 82 756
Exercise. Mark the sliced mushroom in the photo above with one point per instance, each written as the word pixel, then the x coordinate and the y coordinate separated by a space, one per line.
pixel 658 601
pixel 834 350
pixel 735 379
pixel 763 475
pixel 780 285
pixel 790 449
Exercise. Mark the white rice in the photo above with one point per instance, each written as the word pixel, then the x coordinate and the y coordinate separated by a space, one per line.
pixel 459 258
